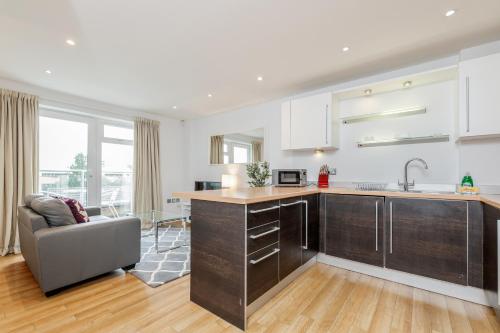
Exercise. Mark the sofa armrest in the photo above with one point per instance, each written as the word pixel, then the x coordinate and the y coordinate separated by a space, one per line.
pixel 69 254
pixel 93 210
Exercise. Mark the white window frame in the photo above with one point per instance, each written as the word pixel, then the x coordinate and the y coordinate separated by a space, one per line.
pixel 95 138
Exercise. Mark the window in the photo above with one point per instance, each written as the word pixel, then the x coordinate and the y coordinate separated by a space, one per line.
pixel 63 157
pixel 121 133
pixel 117 152
pixel 88 159
pixel 237 152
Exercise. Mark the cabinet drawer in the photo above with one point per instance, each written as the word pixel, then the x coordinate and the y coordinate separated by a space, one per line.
pixel 260 237
pixel 262 213
pixel 262 271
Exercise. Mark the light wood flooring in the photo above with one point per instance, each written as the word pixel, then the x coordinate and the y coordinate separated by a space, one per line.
pixel 323 299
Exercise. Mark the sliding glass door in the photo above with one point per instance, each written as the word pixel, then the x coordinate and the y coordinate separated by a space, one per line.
pixel 87 159
pixel 63 157
pixel 117 153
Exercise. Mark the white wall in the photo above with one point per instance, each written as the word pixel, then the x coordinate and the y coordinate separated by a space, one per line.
pixel 198 132
pixel 171 130
pixel 385 164
pixel 352 163
pixel 448 161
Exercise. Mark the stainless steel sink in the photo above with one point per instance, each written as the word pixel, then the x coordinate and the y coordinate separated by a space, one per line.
pixel 431 192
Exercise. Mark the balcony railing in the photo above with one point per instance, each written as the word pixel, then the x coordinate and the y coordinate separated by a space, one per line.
pixel 116 188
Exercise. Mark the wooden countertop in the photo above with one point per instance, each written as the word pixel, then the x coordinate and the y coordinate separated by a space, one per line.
pixel 248 195
pixel 252 195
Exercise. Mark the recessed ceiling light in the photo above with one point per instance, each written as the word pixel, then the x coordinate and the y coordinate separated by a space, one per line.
pixel 70 42
pixel 48 71
pixel 209 95
pixel 345 49
pixel 174 107
pixel 260 78
pixel 407 84
pixel 451 12
pixel 368 92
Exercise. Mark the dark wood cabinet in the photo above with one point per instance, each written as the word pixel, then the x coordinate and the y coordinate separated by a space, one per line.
pixel 310 231
pixel 262 271
pixel 354 227
pixel 290 257
pixel 262 212
pixel 262 236
pixel 476 236
pixel 490 276
pixel 427 237
pixel 218 259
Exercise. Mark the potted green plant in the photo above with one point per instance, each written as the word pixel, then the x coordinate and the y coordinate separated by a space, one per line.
pixel 258 173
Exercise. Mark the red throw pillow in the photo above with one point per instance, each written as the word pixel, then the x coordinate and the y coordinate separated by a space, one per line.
pixel 79 212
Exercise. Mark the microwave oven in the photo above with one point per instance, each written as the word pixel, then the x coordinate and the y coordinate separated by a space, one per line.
pixel 289 177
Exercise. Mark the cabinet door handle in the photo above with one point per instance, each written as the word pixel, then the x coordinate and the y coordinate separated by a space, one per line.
pixel 253 211
pixel 390 227
pixel 467 103
pixel 376 226
pixel 292 203
pixel 305 247
pixel 265 233
pixel 326 124
pixel 256 261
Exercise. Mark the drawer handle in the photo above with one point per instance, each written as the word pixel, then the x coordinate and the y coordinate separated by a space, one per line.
pixel 256 261
pixel 253 211
pixel 265 233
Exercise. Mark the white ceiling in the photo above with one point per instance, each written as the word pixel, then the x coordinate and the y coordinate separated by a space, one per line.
pixel 154 54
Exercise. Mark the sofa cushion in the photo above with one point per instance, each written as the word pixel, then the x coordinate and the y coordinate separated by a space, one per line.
pixel 79 213
pixel 30 197
pixel 55 211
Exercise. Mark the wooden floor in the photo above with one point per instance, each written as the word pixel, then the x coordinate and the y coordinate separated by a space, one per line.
pixel 324 299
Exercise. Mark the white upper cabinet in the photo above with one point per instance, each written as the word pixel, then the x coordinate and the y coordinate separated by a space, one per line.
pixel 309 123
pixel 479 93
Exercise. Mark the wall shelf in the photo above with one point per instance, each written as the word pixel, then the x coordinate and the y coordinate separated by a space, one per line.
pixel 405 141
pixel 385 114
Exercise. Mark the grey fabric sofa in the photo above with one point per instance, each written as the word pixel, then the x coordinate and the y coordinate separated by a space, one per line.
pixel 61 256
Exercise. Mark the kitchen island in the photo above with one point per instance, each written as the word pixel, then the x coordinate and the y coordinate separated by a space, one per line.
pixel 248 244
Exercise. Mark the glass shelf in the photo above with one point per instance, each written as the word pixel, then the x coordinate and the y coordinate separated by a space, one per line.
pixel 404 141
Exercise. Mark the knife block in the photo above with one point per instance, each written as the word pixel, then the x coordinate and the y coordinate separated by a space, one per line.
pixel 323 181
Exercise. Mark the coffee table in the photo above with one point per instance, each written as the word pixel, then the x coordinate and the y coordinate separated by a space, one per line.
pixel 157 217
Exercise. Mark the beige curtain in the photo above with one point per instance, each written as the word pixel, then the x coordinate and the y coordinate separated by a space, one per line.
pixel 217 149
pixel 147 179
pixel 18 161
pixel 256 151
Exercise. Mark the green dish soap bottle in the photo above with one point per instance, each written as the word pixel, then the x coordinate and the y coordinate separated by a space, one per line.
pixel 467 180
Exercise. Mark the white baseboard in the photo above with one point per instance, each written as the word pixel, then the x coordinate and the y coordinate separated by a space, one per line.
pixel 470 294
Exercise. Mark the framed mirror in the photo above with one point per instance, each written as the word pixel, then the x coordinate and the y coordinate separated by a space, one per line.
pixel 237 148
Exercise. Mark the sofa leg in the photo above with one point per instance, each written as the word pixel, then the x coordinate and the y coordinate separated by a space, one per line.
pixel 52 292
pixel 129 267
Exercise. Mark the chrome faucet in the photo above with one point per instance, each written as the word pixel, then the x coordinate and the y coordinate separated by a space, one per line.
pixel 405 184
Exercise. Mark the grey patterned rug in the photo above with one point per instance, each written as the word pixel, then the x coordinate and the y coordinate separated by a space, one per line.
pixel 156 269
